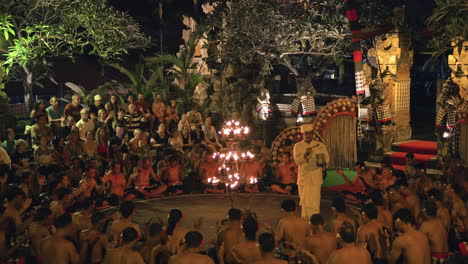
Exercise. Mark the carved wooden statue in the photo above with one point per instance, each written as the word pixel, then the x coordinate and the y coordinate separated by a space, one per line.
pixel 379 118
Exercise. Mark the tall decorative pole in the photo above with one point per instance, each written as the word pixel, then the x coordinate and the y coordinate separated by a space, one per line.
pixel 360 77
pixel 354 26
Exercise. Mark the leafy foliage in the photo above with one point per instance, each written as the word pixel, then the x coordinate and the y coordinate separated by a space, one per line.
pixel 64 28
pixel 267 32
pixel 181 67
pixel 36 30
pixel 450 21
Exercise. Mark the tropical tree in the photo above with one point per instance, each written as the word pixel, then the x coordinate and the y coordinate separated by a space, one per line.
pixel 450 23
pixel 38 30
pixel 180 67
pixel 267 32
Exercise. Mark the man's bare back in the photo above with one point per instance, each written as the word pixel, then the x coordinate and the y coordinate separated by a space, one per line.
pixel 271 261
pixel 190 258
pixel 293 229
pixel 123 256
pixel 338 222
pixel 94 244
pixel 385 216
pixel 58 251
pixel 350 254
pixel 369 234
pixel 321 245
pixel 413 246
pixel 119 225
pixel 437 234
pixel 230 237
pixel 37 232
pixel 247 252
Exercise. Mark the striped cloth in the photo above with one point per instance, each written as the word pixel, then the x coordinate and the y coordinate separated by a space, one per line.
pixel 361 86
pixel 308 106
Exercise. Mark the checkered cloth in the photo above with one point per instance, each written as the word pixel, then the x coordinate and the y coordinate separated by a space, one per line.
pixel 383 114
pixel 447 120
pixel 308 107
pixel 361 84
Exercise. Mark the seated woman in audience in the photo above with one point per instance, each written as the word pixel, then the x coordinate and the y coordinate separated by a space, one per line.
pixel 172 115
pixel 211 136
pixel 197 135
pixel 183 123
pixel 102 148
pixel 160 137
pixel 62 154
pixel 41 128
pixel 74 144
pixel 176 141
pixel 113 104
pixel 44 156
pixel 135 141
pixel 10 143
pixel 119 121
pixel 19 158
pixel 186 138
pixel 196 156
pixel 104 120
pixel 90 145
pixel 38 109
pixel 67 126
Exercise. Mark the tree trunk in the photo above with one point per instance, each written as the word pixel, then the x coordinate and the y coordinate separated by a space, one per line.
pixel 28 92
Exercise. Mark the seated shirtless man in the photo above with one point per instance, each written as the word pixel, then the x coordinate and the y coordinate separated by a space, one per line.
pixel 93 241
pixel 142 177
pixel 350 252
pixel 247 251
pixel 117 184
pixel 57 248
pixel 339 210
pixel 39 228
pixel 370 233
pixel 126 253
pixel 267 245
pixel 436 232
pixel 191 253
pixel 127 209
pixel 208 172
pixel 286 172
pixel 292 229
pixel 412 245
pixel 251 173
pixel 230 236
pixel 173 175
pixel 320 242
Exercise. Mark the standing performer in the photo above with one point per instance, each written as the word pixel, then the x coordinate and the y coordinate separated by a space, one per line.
pixel 312 157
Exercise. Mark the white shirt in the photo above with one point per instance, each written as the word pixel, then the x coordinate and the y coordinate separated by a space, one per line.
pixel 309 172
pixel 4 158
pixel 84 127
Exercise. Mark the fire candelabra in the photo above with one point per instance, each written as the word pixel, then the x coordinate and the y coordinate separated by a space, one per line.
pixel 230 159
